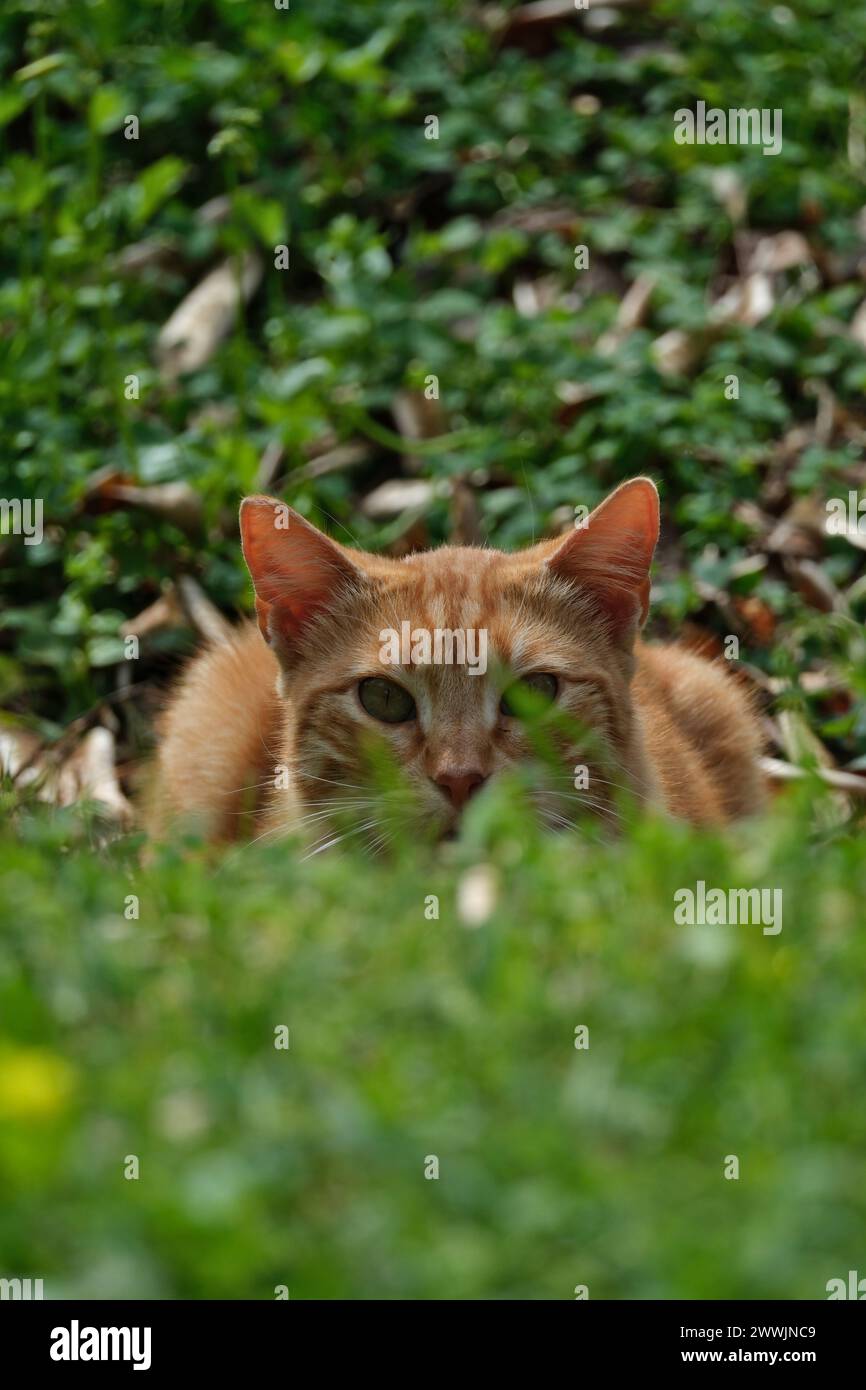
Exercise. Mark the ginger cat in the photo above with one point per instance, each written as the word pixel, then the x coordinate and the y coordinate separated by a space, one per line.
pixel 270 730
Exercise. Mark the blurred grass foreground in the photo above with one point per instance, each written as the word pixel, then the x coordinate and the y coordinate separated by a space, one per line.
pixel 505 1076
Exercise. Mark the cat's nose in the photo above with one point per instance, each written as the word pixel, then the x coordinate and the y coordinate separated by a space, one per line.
pixel 458 785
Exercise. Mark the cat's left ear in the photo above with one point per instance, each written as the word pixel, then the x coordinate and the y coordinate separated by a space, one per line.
pixel 297 571
pixel 609 555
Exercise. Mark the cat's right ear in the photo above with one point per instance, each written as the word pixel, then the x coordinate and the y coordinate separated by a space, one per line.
pixel 296 571
pixel 610 554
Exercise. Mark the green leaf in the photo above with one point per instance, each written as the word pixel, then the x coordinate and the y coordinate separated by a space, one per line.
pixel 41 67
pixel 106 111
pixel 265 216
pixel 154 187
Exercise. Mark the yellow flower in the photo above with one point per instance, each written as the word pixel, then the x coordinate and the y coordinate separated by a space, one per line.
pixel 35 1084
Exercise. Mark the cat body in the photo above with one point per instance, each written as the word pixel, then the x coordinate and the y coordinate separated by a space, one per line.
pixel 273 736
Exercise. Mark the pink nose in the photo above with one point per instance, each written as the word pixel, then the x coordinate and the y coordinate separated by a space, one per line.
pixel 459 785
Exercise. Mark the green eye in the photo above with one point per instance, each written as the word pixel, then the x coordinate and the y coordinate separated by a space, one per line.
pixel 543 686
pixel 385 700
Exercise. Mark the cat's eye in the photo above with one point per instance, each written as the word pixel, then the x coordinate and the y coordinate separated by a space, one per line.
pixel 386 700
pixel 542 685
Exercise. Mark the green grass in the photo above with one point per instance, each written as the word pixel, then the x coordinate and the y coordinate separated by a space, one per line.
pixel 412 1037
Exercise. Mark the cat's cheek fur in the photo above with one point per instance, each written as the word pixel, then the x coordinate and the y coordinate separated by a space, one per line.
pixel 344 760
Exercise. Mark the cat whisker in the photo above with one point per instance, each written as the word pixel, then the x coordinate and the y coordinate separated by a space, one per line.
pixel 604 810
pixel 283 828
pixel 597 780
pixel 320 847
pixel 355 786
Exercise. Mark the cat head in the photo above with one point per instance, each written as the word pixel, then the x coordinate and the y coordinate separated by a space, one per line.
pixel 424 653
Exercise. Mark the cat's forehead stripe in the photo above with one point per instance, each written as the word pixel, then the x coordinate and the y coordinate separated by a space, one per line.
pixel 448 588
pixel 474 591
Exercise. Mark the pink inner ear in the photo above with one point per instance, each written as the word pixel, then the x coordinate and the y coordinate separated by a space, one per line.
pixel 611 555
pixel 296 570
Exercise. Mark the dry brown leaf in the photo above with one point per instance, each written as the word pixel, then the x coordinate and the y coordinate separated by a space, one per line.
pixel 90 775
pixel 576 392
pixel 761 523
pixel 417 417
pixel 721 600
pixel 783 251
pixel 746 302
pixel 801 531
pixel 19 754
pixel 207 314
pixel 175 502
pixel 465 520
pixel 203 615
pixel 532 297
pixel 215 210
pixel 165 612
pixel 813 584
pixel 214 415
pixel 534 221
pixel 758 617
pixel 631 313
pixel 539 13
pixel 87 773
pixel 412 538
pixel 676 353
pixel 335 460
pixel 842 781
pixel 398 495
pixel 811 682
pixel 858 325
pixel 750 564
pixel 145 255
pixel 729 190
pixel 586 104
pixel 101 482
pixel 827 409
pixel 270 464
